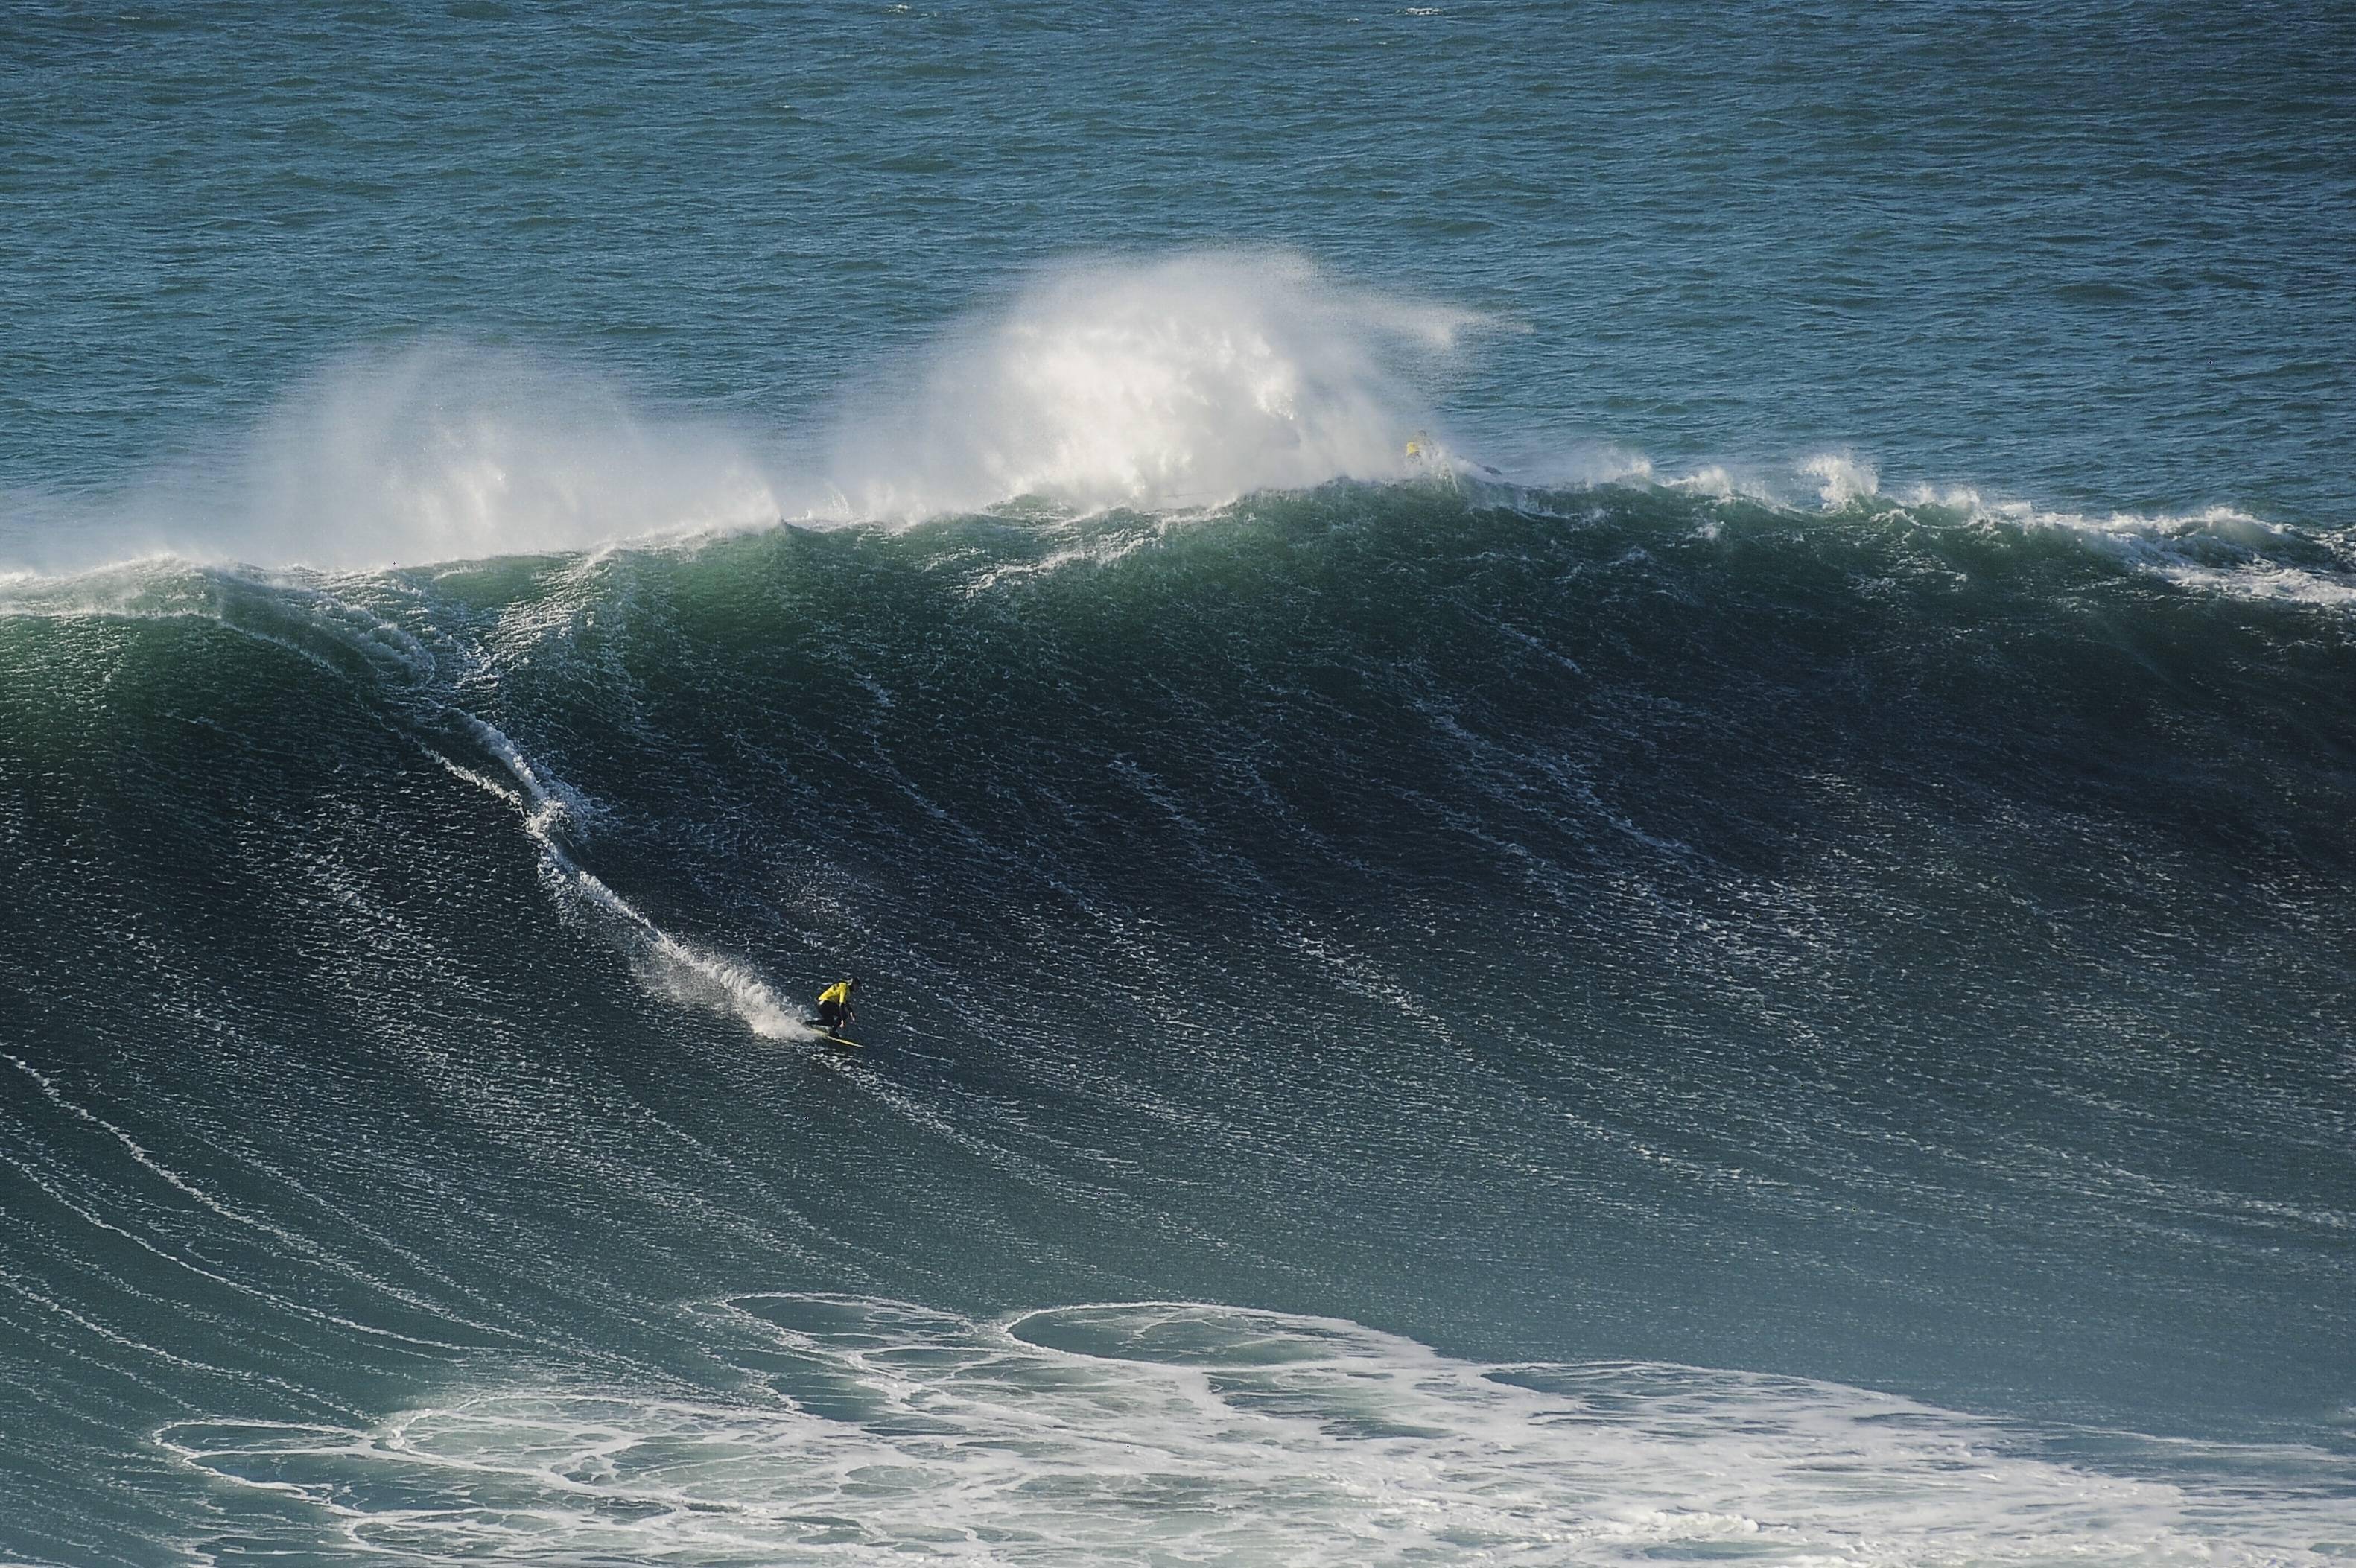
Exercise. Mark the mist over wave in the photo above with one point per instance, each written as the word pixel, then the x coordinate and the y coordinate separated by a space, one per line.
pixel 1184 381
pixel 439 451
pixel 445 452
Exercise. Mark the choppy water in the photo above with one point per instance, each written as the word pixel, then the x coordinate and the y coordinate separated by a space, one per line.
pixel 1593 768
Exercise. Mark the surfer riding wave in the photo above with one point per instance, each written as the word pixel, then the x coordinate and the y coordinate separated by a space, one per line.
pixel 834 1013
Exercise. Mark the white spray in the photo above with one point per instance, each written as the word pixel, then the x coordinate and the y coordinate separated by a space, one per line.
pixel 436 452
pixel 1182 383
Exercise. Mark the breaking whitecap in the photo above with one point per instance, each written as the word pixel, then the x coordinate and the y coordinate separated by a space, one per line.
pixel 1174 1433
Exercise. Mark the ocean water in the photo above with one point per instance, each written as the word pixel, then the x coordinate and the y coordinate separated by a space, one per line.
pixel 1593 766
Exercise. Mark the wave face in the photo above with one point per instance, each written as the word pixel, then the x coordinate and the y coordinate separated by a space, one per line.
pixel 1592 934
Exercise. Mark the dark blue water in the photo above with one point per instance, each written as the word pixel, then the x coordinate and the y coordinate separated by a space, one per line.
pixel 1592 769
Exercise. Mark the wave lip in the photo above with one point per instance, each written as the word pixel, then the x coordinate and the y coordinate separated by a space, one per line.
pixel 2218 550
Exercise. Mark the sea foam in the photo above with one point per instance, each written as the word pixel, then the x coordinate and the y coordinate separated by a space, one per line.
pixel 1165 1432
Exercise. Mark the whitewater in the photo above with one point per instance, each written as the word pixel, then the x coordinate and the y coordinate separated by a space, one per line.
pixel 1590 778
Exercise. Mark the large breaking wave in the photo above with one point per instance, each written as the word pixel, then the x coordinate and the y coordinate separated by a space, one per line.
pixel 1328 902
pixel 1765 920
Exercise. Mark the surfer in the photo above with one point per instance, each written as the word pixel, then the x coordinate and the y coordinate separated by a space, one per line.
pixel 834 1005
